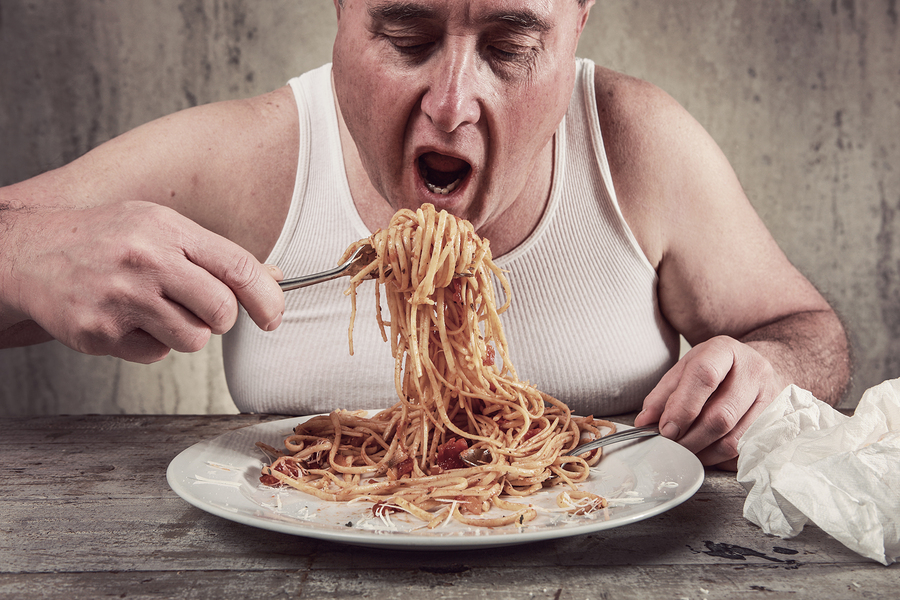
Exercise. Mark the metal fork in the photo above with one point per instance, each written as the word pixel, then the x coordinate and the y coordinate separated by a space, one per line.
pixel 620 436
pixel 358 260
pixel 475 457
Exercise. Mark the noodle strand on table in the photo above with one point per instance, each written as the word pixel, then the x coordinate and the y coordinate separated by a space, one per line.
pixel 457 389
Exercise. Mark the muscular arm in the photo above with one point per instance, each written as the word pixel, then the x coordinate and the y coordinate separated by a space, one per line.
pixel 755 323
pixel 149 241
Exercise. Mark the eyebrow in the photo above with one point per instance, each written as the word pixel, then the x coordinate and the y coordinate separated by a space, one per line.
pixel 412 11
pixel 523 19
pixel 400 11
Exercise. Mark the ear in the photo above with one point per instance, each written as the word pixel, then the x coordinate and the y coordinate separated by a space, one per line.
pixel 338 5
pixel 584 16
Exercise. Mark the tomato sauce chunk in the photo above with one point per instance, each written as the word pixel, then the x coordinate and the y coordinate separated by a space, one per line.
pixel 448 454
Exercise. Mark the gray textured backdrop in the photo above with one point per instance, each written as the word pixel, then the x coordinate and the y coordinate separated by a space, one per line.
pixel 801 95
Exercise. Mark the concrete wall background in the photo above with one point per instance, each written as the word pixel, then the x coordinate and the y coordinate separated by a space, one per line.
pixel 801 95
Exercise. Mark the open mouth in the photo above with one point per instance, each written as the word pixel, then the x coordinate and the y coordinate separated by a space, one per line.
pixel 441 173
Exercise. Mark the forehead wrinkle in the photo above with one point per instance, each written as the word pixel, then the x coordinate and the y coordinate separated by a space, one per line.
pixel 409 10
pixel 522 19
pixel 400 11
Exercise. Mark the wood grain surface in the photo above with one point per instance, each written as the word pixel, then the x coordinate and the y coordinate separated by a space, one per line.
pixel 85 512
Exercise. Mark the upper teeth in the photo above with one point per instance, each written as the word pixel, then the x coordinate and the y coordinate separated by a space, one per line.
pixel 442 190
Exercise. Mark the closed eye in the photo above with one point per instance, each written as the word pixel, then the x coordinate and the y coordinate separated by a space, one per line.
pixel 411 45
pixel 511 52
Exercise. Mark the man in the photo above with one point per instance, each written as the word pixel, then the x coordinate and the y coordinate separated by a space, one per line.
pixel 151 241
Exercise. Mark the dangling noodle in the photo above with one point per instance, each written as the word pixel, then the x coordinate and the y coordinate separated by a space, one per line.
pixel 457 389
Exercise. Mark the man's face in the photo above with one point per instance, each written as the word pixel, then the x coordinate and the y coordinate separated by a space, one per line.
pixel 452 101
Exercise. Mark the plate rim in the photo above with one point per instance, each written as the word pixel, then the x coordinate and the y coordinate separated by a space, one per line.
pixel 400 540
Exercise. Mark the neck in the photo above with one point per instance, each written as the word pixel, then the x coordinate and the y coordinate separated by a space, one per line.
pixel 513 226
pixel 373 209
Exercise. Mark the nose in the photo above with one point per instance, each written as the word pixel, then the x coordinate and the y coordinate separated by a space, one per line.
pixel 451 99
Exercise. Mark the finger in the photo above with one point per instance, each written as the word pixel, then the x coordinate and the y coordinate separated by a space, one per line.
pixel 202 295
pixel 213 302
pixel 746 391
pixel 142 329
pixel 728 465
pixel 140 347
pixel 253 285
pixel 176 327
pixel 275 271
pixel 719 415
pixel 724 447
pixel 23 333
pixel 705 368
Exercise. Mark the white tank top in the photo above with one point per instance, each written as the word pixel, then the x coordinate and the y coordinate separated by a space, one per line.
pixel 584 325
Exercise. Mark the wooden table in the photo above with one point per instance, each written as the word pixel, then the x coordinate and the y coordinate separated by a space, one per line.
pixel 85 512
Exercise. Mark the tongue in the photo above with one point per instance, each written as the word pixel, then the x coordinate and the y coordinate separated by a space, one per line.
pixel 443 163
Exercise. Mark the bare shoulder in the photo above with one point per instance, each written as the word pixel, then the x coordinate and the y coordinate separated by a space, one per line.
pixel 248 160
pixel 720 270
pixel 259 168
pixel 229 166
pixel 658 154
pixel 637 118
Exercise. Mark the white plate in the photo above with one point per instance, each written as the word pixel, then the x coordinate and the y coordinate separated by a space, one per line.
pixel 640 479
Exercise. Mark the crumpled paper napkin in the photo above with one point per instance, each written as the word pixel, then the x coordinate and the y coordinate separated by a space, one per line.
pixel 802 461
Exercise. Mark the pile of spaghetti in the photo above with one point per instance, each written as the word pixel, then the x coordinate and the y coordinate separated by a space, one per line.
pixel 458 392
